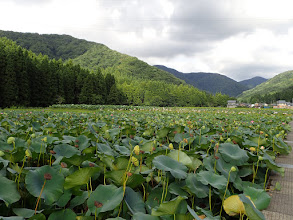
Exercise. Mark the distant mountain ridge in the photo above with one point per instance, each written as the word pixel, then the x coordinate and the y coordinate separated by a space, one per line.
pixel 278 83
pixel 253 82
pixel 211 82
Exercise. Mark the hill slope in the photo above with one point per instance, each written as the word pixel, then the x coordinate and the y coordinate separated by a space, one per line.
pixel 141 83
pixel 276 84
pixel 88 54
pixel 253 82
pixel 211 82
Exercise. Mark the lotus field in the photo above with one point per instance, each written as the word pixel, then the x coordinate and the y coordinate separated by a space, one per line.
pixel 139 163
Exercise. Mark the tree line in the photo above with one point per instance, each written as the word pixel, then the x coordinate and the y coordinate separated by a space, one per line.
pixel 286 94
pixel 34 80
pixel 37 81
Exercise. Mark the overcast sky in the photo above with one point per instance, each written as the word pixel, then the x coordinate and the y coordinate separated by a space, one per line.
pixel 237 38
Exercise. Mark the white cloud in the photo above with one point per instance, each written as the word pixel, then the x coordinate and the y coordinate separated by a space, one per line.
pixel 233 37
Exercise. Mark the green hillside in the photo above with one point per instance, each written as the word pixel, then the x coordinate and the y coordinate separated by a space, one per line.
pixel 52 45
pixel 210 82
pixel 277 84
pixel 253 82
pixel 140 83
pixel 103 57
pixel 88 54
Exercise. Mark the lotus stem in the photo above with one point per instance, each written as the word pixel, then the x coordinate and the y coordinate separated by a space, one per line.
pixel 104 175
pixel 231 170
pixel 40 155
pixel 210 198
pixel 143 192
pixel 91 185
pixel 20 173
pixel 266 176
pixel 40 197
pixel 166 189
pixel 163 191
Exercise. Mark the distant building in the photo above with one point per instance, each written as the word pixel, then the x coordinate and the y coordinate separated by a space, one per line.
pixel 231 104
pixel 283 104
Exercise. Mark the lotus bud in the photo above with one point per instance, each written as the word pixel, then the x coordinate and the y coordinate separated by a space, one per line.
pixel 229 140
pixel 10 140
pixel 203 127
pixel 136 150
pixel 262 147
pixel 134 161
pixel 28 153
pixel 260 158
pixel 233 169
pixel 33 135
pixel 31 128
pixel 221 138
pixel 171 146
pixel 252 149
pixel 1 153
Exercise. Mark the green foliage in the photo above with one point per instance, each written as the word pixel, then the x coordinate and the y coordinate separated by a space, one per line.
pixel 85 163
pixel 278 87
pixel 30 80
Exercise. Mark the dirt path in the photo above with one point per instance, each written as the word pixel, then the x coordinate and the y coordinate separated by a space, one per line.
pixel 281 206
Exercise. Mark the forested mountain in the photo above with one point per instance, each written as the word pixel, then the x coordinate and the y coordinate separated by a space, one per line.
pixel 141 83
pixel 253 82
pixel 273 89
pixel 31 80
pixel 211 82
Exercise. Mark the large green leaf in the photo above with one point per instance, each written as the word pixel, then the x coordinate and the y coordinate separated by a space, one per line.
pixel 26 213
pixel 78 200
pixel 53 188
pixel 196 187
pixel 233 154
pixel 176 189
pixel 134 201
pixel 105 149
pixel 250 210
pixel 259 197
pixel 65 150
pixel 8 191
pixel 224 167
pixel 168 208
pixel 141 216
pixel 108 196
pixel 165 163
pixel 272 165
pixel 65 214
pixel 39 216
pixel 80 177
pixel 117 176
pixel 210 178
pixel 183 157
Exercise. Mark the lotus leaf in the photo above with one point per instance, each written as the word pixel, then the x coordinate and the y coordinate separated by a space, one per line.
pixel 134 201
pixel 65 214
pixel 80 177
pixel 8 191
pixel 168 208
pixel 233 154
pixel 210 178
pixel 165 163
pixel 53 188
pixel 107 196
pixel 259 197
